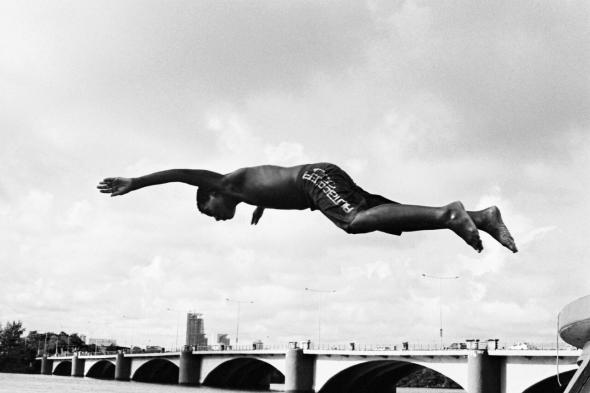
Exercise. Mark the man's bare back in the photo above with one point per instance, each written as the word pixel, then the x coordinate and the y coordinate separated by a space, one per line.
pixel 267 186
pixel 323 187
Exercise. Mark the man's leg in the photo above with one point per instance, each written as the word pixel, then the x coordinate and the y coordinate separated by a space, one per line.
pixel 408 218
pixel 490 220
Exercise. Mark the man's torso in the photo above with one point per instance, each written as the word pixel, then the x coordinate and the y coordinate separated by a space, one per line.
pixel 321 186
pixel 268 186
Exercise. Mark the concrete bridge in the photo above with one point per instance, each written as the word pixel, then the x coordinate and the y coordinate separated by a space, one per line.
pixel 328 371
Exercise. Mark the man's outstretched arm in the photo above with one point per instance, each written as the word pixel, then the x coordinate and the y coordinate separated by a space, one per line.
pixel 256 215
pixel 195 177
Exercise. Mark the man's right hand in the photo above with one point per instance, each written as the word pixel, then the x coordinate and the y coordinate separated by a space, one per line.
pixel 115 186
pixel 256 215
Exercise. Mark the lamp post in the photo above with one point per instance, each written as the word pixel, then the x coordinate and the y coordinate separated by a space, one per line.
pixel 177 323
pixel 132 338
pixel 239 303
pixel 440 279
pixel 320 292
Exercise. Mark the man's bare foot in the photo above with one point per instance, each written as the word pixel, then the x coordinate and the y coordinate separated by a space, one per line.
pixel 458 220
pixel 491 222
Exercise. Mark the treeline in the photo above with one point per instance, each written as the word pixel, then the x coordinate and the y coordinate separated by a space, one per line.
pixel 427 378
pixel 18 351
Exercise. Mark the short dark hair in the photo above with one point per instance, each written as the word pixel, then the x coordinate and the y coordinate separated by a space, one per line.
pixel 203 195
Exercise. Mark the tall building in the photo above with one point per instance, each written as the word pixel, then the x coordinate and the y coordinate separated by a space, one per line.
pixel 195 330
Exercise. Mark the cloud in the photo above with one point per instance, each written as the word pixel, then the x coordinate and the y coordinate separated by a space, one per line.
pixel 285 154
pixel 35 208
pixel 78 214
pixel 233 136
pixel 377 270
pixel 521 227
pixel 536 234
pixel 237 138
pixel 220 49
pixel 524 76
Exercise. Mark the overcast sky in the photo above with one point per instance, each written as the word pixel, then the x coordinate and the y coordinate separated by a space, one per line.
pixel 423 102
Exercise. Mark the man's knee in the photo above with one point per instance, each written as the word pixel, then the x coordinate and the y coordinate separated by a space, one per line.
pixel 356 226
pixel 349 229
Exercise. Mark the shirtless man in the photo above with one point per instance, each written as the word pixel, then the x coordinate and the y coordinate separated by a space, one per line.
pixel 323 187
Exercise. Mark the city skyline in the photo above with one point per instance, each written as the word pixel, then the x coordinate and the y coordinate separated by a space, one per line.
pixel 421 102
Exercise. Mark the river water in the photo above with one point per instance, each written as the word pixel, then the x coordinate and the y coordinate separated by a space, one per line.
pixel 36 383
pixel 33 383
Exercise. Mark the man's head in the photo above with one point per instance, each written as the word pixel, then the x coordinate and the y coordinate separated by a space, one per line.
pixel 215 204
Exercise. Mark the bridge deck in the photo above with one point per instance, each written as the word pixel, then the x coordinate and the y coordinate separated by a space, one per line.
pixel 373 353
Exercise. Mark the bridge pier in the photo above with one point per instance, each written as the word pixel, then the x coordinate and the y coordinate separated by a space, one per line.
pixel 483 373
pixel 299 371
pixel 77 366
pixel 46 365
pixel 189 371
pixel 122 367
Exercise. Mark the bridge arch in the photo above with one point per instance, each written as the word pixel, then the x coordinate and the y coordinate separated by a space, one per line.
pixel 244 373
pixel 550 385
pixel 521 373
pixel 103 369
pixel 374 376
pixel 159 370
pixel 63 368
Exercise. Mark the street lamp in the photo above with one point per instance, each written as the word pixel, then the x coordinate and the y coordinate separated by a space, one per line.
pixel 320 292
pixel 239 303
pixel 177 324
pixel 132 320
pixel 440 279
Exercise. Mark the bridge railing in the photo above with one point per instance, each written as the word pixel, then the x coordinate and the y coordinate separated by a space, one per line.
pixel 404 346
pixel 350 346
pixel 97 353
pixel 515 346
pixel 214 348
pixel 71 353
pixel 542 346
pixel 375 347
pixel 241 348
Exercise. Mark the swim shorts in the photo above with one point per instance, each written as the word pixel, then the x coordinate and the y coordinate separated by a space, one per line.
pixel 332 191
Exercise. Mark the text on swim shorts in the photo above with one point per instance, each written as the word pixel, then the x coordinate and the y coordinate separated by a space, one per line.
pixel 321 180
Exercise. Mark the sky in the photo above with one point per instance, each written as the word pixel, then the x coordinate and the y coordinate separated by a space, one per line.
pixel 423 102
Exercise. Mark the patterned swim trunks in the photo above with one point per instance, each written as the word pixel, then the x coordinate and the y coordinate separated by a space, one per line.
pixel 332 191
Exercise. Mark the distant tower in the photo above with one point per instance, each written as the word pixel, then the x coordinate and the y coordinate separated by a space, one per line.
pixel 195 330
